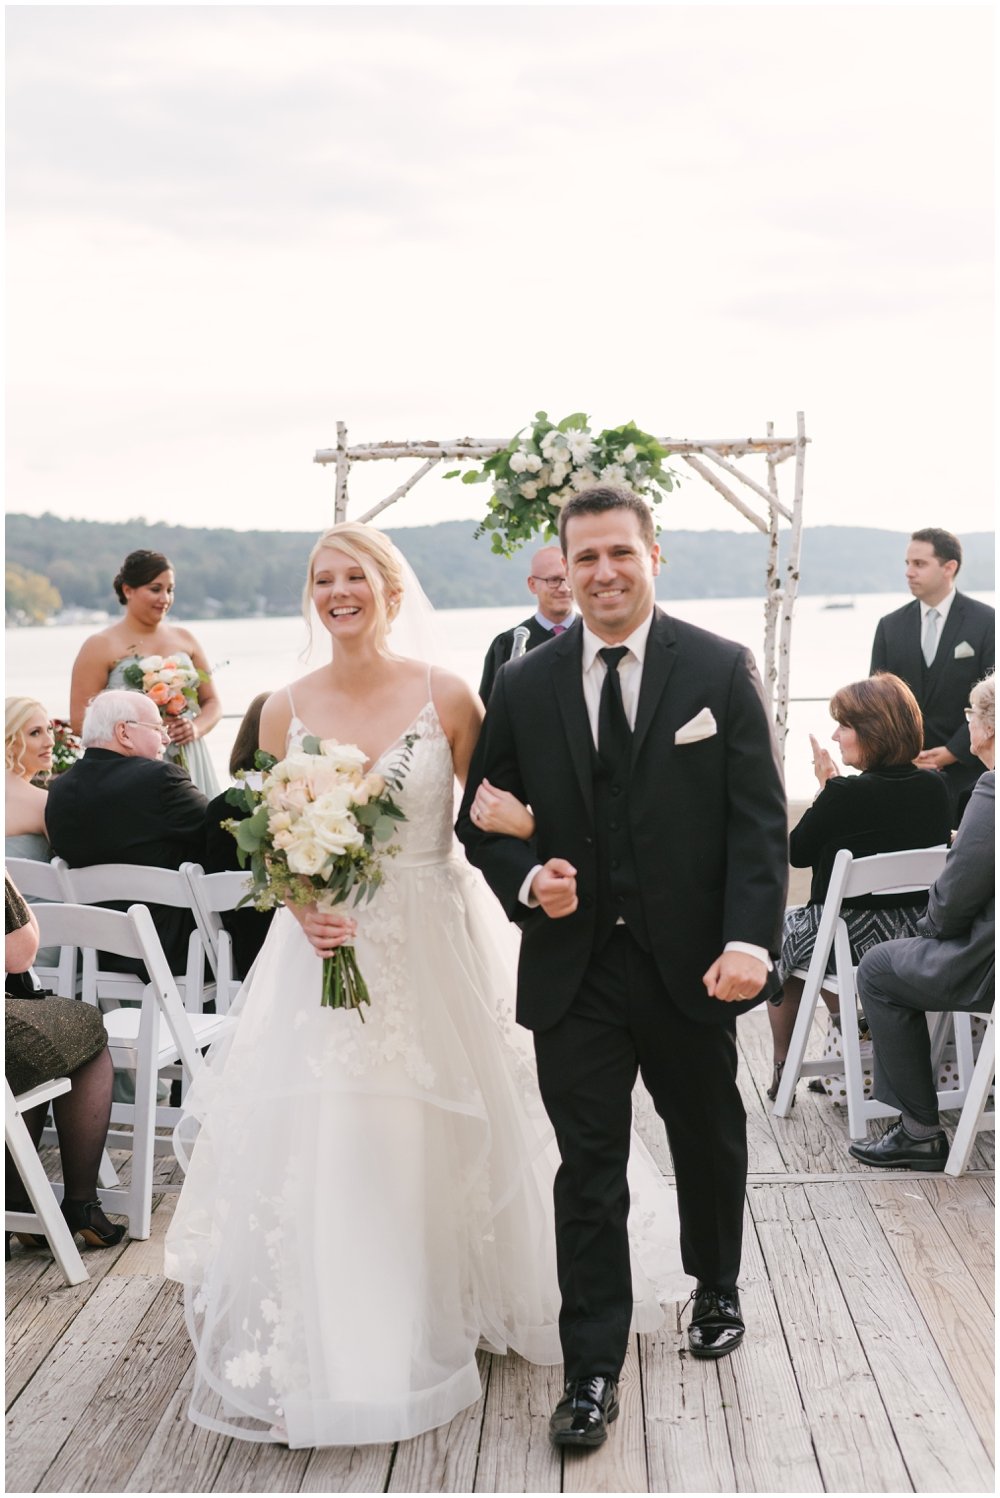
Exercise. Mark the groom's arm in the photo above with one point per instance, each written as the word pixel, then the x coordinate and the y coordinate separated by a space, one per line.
pixel 505 861
pixel 756 817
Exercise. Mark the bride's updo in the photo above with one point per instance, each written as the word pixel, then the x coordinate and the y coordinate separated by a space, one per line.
pixel 378 559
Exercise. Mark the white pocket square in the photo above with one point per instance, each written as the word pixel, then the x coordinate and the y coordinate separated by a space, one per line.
pixel 701 726
pixel 963 651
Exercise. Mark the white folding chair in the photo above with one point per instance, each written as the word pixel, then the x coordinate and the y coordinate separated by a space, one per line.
pixel 47 1217
pixel 160 1033
pixel 974 1119
pixel 210 895
pixel 97 883
pixel 881 874
pixel 47 881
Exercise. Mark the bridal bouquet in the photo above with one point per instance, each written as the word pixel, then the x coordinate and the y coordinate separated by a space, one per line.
pixel 544 466
pixel 170 685
pixel 318 829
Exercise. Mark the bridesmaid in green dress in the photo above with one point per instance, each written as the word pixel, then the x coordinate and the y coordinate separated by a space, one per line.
pixel 145 586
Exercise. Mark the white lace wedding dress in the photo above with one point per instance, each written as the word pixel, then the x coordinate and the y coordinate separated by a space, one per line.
pixel 365 1203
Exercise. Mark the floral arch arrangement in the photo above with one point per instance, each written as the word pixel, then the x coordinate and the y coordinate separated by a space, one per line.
pixel 545 465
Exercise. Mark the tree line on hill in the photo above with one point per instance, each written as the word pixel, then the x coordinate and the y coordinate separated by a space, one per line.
pixel 55 564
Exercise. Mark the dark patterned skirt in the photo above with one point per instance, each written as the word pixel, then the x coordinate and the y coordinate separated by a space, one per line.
pixel 865 928
pixel 48 1038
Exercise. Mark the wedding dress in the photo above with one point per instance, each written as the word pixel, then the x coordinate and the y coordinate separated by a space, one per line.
pixel 365 1203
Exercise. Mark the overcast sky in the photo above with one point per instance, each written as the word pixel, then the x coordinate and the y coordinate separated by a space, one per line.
pixel 230 226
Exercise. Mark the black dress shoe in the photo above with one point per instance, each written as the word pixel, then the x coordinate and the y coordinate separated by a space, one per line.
pixel 583 1414
pixel 898 1148
pixel 716 1323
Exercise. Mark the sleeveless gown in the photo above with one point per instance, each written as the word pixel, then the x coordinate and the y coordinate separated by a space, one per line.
pixel 365 1203
pixel 199 761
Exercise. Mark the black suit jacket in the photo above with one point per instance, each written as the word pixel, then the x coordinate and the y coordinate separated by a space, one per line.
pixel 247 927
pixel 943 689
pixel 113 808
pixel 500 650
pixel 708 819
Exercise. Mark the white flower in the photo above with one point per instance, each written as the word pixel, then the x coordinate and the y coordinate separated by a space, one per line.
pixel 580 445
pixel 344 756
pixel 561 497
pixel 529 488
pixel 151 663
pixel 518 462
pixel 532 462
pixel 269 1311
pixel 614 474
pixel 544 475
pixel 582 478
pixel 558 474
pixel 305 856
pixel 630 453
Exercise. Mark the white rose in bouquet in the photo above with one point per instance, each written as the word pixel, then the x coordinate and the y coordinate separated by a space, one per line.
pixel 532 462
pixel 344 756
pixel 529 488
pixel 518 462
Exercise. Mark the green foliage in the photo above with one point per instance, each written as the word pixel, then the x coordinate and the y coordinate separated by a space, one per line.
pixel 535 475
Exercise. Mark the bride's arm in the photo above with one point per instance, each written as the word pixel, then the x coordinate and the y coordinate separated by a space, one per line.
pixel 461 714
pixel 274 720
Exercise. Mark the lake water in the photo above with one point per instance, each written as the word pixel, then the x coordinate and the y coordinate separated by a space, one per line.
pixel 830 647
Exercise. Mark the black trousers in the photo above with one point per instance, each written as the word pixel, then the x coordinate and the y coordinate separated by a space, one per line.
pixel 623 1022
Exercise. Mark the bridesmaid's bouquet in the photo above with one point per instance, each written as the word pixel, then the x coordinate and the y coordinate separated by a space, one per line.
pixel 170 685
pixel 318 829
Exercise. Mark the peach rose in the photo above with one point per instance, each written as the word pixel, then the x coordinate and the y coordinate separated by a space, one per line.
pixel 177 704
pixel 159 694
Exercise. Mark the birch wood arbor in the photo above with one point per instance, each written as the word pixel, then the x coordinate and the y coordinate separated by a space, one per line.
pixel 713 459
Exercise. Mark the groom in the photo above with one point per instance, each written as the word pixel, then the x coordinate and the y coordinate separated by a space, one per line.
pixel 650 899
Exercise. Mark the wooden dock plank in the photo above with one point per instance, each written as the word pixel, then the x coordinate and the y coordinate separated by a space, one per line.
pixel 443 1460
pixel 967 1215
pixel 109 1437
pixel 619 1466
pixel 48 1412
pixel 250 1467
pixel 348 1469
pixel 851 1431
pixel 769 1437
pixel 179 1456
pixel 516 1454
pixel 957 1314
pixel 687 1444
pixel 936 1435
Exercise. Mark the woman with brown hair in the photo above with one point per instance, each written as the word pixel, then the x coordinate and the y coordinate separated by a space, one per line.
pixel 145 587
pixel 889 806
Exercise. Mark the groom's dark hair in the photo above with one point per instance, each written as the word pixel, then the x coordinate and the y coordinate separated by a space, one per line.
pixel 602 497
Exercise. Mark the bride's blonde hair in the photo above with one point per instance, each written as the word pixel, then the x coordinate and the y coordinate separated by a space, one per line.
pixel 378 559
pixel 17 712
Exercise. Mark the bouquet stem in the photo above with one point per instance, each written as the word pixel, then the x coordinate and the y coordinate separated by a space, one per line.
pixel 343 985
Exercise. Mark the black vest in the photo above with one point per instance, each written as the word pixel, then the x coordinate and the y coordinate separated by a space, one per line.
pixel 618 893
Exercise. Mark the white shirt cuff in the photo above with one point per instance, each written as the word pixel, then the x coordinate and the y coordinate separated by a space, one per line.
pixel 524 893
pixel 760 953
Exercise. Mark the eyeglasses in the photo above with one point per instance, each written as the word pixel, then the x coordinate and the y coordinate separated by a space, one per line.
pixel 559 581
pixel 970 713
pixel 143 723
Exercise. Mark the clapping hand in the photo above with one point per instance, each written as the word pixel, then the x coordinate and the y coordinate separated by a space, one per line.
pixel 823 762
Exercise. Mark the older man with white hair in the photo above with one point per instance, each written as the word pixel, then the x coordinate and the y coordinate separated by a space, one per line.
pixel 123 803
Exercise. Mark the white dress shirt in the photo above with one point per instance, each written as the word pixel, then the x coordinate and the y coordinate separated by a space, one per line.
pixel 630 675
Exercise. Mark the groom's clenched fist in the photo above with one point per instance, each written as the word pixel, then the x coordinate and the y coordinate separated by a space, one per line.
pixel 554 887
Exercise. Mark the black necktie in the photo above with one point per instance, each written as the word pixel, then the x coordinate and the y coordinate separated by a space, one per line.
pixel 614 737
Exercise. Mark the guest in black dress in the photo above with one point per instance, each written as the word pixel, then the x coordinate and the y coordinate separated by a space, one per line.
pixel 246 927
pixel 47 1037
pixel 889 807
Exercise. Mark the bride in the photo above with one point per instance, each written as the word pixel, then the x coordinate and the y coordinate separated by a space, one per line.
pixel 366 1203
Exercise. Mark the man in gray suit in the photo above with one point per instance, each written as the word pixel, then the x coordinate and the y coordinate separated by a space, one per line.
pixel 949 966
pixel 940 644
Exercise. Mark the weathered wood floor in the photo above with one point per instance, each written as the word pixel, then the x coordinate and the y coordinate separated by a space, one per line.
pixel 868 1364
